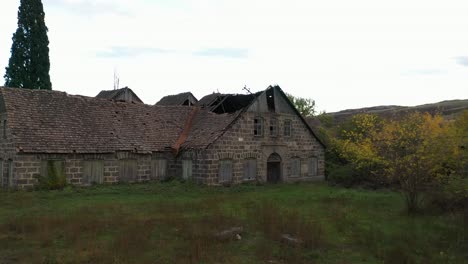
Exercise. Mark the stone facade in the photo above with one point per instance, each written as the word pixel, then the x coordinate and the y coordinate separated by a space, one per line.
pixel 209 148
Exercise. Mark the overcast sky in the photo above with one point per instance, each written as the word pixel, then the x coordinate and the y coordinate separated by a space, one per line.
pixel 343 54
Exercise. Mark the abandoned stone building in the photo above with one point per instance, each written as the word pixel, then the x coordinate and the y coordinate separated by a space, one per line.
pixel 222 139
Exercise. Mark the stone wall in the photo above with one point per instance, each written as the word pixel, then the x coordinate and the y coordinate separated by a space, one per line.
pixel 27 167
pixel 239 143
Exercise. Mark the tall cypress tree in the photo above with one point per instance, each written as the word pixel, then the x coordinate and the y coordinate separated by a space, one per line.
pixel 29 63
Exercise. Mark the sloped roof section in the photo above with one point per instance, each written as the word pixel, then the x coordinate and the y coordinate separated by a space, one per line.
pixel 55 122
pixel 207 127
pixel 178 99
pixel 227 103
pixel 117 94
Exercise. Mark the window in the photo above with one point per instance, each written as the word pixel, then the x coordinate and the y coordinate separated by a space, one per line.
pixel 287 128
pixel 250 169
pixel 93 172
pixel 54 169
pixel 273 127
pixel 295 167
pixel 225 170
pixel 186 169
pixel 158 169
pixel 128 170
pixel 270 94
pixel 313 167
pixel 258 126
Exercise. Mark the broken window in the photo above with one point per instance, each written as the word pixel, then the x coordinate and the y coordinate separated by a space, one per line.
pixel 128 170
pixel 250 169
pixel 313 167
pixel 273 127
pixel 93 172
pixel 270 100
pixel 295 167
pixel 225 170
pixel 158 169
pixel 287 128
pixel 258 126
pixel 186 169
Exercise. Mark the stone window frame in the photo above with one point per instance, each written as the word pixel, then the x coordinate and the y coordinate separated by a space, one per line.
pixel 220 166
pixel 295 167
pixel 274 126
pixel 190 176
pixel 258 124
pixel 313 163
pixel 246 163
pixel 101 180
pixel 121 163
pixel 155 164
pixel 287 123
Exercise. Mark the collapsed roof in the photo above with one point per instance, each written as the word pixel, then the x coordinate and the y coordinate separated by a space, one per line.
pixel 226 103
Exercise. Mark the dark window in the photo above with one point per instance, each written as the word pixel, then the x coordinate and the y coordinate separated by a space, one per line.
pixel 186 169
pixel 295 167
pixel 313 167
pixel 258 126
pixel 158 169
pixel 250 169
pixel 270 100
pixel 225 170
pixel 273 127
pixel 128 170
pixel 93 171
pixel 287 128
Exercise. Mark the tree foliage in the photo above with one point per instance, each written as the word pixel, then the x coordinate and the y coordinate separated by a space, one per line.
pixel 305 106
pixel 418 152
pixel 29 63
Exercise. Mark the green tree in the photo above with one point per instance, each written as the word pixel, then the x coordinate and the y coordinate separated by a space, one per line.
pixel 305 106
pixel 29 63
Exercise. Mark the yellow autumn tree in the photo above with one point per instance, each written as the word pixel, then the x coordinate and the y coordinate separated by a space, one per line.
pixel 417 151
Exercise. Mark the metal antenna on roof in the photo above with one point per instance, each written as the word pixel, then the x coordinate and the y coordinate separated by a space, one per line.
pixel 247 89
pixel 116 80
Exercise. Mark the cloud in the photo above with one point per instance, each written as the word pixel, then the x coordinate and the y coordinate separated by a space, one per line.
pixel 224 52
pixel 429 71
pixel 125 52
pixel 462 60
pixel 89 7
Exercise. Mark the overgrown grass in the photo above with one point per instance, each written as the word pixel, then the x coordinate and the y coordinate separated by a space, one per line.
pixel 180 223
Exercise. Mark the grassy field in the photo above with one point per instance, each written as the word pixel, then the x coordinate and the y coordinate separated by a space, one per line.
pixel 181 223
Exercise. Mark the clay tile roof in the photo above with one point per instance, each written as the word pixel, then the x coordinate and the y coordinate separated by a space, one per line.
pixel 207 127
pixel 54 122
pixel 114 94
pixel 177 99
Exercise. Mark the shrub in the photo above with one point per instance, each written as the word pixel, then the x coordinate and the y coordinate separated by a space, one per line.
pixel 53 176
pixel 450 196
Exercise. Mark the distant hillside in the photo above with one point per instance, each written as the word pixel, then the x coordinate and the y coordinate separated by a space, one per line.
pixel 448 109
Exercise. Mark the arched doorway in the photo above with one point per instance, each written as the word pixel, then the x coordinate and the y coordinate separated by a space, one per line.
pixel 274 168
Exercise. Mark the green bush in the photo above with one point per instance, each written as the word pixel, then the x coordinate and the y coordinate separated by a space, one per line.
pixel 53 176
pixel 343 175
pixel 449 196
